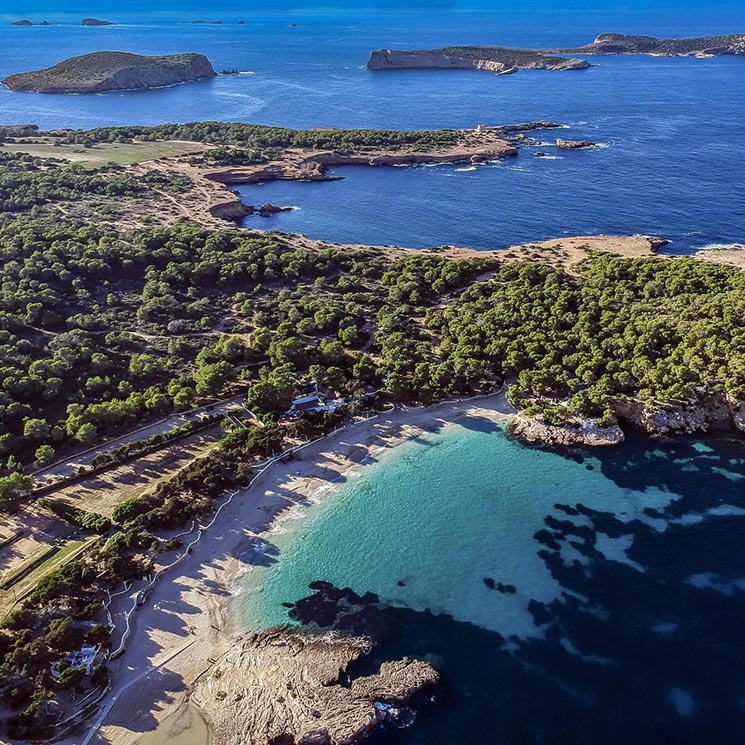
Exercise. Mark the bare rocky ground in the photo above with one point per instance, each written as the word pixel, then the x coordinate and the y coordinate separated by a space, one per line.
pixel 293 686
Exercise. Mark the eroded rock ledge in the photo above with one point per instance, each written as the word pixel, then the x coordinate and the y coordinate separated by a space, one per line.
pixel 657 419
pixel 293 687
pixel 587 432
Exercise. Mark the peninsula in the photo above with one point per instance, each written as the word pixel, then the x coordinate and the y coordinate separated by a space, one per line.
pixel 113 71
pixel 702 46
pixel 500 60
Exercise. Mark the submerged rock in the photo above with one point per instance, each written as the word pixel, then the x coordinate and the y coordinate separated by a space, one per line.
pixel 291 686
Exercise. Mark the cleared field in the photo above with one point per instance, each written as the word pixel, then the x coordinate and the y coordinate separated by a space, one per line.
pixel 34 531
pixel 122 153
pixel 104 492
pixel 54 557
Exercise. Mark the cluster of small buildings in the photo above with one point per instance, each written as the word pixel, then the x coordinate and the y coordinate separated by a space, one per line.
pixel 313 404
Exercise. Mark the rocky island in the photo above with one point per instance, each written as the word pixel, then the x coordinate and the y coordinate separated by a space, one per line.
pixel 96 22
pixel 500 60
pixel 113 71
pixel 702 46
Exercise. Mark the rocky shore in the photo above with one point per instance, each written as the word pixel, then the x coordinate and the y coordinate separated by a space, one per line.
pixel 656 418
pixel 292 686
pixel 586 432
pixel 659 419
pixel 474 146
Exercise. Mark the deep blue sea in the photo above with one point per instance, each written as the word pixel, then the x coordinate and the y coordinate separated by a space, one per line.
pixel 671 129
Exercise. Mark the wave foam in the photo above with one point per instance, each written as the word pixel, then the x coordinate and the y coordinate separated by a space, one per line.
pixel 723 247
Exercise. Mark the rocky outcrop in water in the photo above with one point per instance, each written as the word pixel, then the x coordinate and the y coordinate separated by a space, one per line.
pixel 290 686
pixel 701 46
pixel 573 144
pixel 96 22
pixel 111 71
pixel 24 22
pixel 500 60
pixel 587 432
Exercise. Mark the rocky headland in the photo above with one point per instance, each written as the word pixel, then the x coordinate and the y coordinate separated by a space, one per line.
pixel 656 418
pixel 481 145
pixel 113 71
pixel 702 46
pixel 292 686
pixel 500 60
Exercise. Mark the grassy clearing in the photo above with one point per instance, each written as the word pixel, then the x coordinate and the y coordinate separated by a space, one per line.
pixel 122 153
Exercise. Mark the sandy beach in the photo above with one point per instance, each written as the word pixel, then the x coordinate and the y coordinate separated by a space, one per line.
pixel 186 623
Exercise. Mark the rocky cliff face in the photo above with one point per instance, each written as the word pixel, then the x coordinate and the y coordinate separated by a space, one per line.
pixel 499 60
pixel 110 71
pixel 287 686
pixel 660 419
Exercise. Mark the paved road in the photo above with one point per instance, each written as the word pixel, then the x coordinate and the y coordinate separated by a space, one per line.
pixel 71 464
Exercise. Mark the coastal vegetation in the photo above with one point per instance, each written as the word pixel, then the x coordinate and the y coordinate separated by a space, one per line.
pixel 102 329
pixel 105 327
pixel 259 138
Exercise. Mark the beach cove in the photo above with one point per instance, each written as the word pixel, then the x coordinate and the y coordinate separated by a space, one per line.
pixel 528 537
pixel 190 618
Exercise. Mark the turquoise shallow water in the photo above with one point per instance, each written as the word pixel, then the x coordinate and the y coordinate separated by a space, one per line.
pixel 439 515
pixel 621 573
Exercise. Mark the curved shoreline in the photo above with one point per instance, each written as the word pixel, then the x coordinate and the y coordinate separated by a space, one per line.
pixel 193 606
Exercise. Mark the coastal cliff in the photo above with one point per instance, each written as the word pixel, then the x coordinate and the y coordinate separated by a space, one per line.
pixel 656 418
pixel 702 46
pixel 295 687
pixel 110 71
pixel 678 418
pixel 500 60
